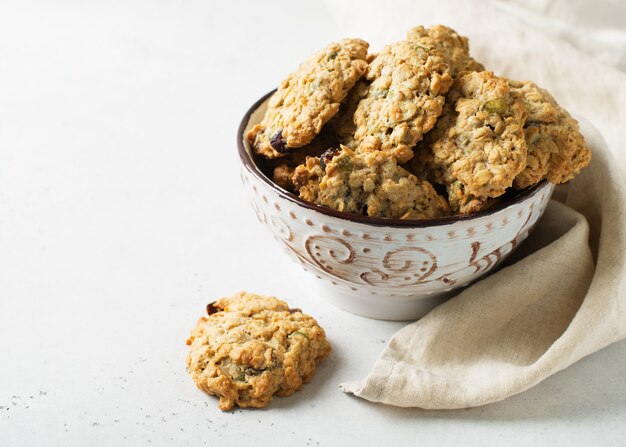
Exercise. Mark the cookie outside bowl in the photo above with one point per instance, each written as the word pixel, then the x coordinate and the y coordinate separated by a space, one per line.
pixel 388 269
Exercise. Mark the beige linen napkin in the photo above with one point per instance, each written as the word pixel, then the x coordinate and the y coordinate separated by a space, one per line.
pixel 563 299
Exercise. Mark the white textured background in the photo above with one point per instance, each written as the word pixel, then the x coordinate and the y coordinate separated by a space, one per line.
pixel 121 215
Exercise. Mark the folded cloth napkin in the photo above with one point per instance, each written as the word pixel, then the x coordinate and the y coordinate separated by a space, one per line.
pixel 563 298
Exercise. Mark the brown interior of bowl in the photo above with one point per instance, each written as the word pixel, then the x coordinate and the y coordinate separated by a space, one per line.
pixel 254 165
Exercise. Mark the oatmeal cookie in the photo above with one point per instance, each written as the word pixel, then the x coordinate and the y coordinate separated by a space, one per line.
pixel 465 203
pixel 556 148
pixel 477 148
pixel 343 123
pixel 458 200
pixel 282 169
pixel 281 175
pixel 367 183
pixel 406 95
pixel 306 178
pixel 251 347
pixel 309 97
pixel 454 47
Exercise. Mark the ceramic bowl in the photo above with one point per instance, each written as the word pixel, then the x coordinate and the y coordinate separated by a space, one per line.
pixel 389 269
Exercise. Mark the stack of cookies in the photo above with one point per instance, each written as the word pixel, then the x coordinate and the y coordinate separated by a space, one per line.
pixel 418 131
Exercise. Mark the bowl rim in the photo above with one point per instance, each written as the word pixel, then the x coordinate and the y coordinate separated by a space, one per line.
pixel 249 163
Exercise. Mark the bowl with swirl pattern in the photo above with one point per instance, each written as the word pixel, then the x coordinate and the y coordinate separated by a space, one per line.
pixel 391 269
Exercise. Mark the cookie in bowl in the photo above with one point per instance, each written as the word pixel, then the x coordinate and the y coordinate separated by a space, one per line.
pixel 309 97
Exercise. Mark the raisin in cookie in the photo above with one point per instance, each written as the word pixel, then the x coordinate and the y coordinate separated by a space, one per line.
pixel 556 148
pixel 406 95
pixel 454 47
pixel 252 347
pixel 477 148
pixel 367 183
pixel 282 169
pixel 309 97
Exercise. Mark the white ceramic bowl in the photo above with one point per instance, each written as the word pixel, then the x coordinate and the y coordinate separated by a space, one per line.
pixel 388 269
